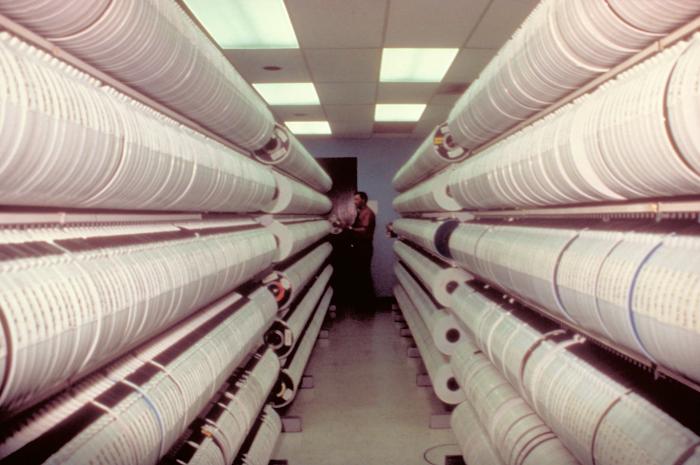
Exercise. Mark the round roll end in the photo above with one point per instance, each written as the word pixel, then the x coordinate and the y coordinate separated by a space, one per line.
pixel 447 282
pixel 447 334
pixel 284 391
pixel 283 195
pixel 276 149
pixel 279 338
pixel 446 147
pixel 446 386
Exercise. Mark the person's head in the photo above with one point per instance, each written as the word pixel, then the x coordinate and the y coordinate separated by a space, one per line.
pixel 360 199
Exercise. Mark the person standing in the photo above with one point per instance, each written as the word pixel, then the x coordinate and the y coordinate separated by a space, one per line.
pixel 362 233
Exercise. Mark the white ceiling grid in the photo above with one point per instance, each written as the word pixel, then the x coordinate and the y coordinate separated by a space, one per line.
pixel 340 51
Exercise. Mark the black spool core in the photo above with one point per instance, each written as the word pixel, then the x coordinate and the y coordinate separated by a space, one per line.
pixel 452 335
pixel 452 384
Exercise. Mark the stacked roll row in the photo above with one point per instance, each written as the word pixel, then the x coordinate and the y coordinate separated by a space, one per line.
pixel 263 439
pixel 289 382
pixel 599 417
pixel 156 48
pixel 560 46
pixel 631 284
pixel 291 280
pixel 287 332
pixel 446 333
pixel 232 416
pixel 71 143
pixel 513 429
pixel 285 152
pixel 632 138
pixel 436 363
pixel 294 197
pixel 437 151
pixel 134 410
pixel 428 196
pixel 293 237
pixel 528 397
pixel 74 298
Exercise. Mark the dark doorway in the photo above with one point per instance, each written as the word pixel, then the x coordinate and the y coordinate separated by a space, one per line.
pixel 343 172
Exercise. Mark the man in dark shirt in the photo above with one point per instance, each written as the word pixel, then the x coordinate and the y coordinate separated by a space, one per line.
pixel 362 231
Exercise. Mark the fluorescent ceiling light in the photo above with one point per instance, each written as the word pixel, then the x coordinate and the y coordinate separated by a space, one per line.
pixel 308 127
pixel 415 64
pixel 288 93
pixel 246 23
pixel 398 111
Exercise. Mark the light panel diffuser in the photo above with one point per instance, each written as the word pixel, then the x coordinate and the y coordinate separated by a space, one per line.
pixel 247 24
pixel 288 93
pixel 415 64
pixel 398 111
pixel 308 127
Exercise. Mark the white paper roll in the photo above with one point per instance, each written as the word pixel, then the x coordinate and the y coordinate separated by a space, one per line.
pixel 300 272
pixel 235 411
pixel 145 391
pixel 440 280
pixel 294 237
pixel 428 196
pixel 288 154
pixel 102 297
pixel 656 15
pixel 299 317
pixel 560 46
pixel 604 280
pixel 288 384
pixel 419 232
pixel 612 144
pixel 296 198
pixel 442 326
pixel 573 397
pixel 156 48
pixel 436 152
pixel 263 446
pixel 107 151
pixel 518 434
pixel 475 444
pixel 441 376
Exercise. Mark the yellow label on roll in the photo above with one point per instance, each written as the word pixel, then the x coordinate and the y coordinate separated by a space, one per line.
pixel 437 140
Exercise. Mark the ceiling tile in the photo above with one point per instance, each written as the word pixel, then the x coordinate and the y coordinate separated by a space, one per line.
pixel 499 23
pixel 432 116
pixel 435 114
pixel 419 23
pixel 448 93
pixel 249 64
pixel 349 112
pixel 360 129
pixel 444 99
pixel 468 64
pixel 394 92
pixel 338 23
pixel 394 127
pixel 299 113
pixel 423 129
pixel 328 65
pixel 332 93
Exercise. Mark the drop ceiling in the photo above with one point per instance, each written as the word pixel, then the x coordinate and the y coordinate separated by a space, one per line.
pixel 340 52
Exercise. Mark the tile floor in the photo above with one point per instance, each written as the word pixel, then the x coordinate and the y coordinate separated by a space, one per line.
pixel 365 407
